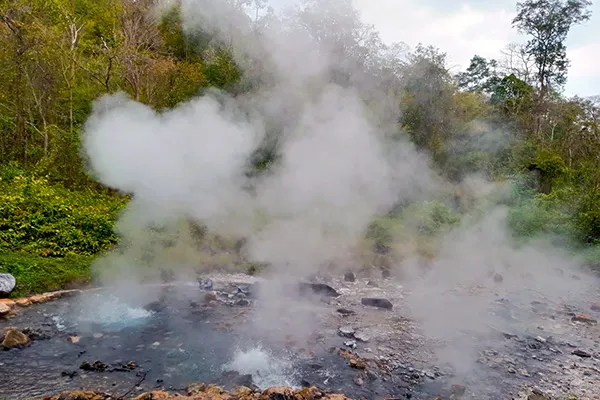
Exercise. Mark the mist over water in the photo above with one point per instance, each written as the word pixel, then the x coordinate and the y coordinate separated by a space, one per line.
pixel 338 169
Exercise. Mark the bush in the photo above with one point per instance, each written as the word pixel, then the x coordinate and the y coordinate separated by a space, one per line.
pixel 40 218
pixel 431 217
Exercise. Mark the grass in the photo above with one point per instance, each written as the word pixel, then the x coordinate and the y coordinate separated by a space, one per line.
pixel 37 274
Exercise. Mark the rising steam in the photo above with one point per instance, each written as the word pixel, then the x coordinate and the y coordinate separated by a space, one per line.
pixel 337 170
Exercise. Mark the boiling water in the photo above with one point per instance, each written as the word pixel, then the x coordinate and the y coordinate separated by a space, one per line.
pixel 266 368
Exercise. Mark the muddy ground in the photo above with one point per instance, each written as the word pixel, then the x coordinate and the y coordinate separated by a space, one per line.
pixel 189 332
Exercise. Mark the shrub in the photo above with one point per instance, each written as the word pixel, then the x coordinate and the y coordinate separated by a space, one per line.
pixel 40 218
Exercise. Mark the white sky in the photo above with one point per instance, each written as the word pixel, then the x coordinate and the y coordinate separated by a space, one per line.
pixel 462 29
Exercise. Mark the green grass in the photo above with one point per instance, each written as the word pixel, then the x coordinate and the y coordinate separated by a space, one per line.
pixel 36 274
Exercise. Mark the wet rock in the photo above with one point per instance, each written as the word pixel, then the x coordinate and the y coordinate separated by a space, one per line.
pixel 350 343
pixel 70 374
pixel 318 288
pixel 36 334
pixel 583 318
pixel 4 310
pixel 155 306
pixel 345 311
pixel 205 284
pixel 350 277
pixel 377 302
pixel 7 284
pixel 581 353
pixel 242 303
pixel 97 366
pixel 14 339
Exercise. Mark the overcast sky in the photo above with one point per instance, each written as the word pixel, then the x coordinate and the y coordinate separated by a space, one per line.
pixel 468 27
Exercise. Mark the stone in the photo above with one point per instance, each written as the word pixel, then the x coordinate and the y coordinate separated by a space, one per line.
pixel 377 302
pixel 318 288
pixel 361 337
pixel 385 273
pixel 586 319
pixel 345 311
pixel 581 353
pixel 210 296
pixel 205 284
pixel 24 302
pixel 7 284
pixel 498 278
pixel 537 394
pixel 350 277
pixel 4 309
pixel 14 339
pixel 372 284
pixel 346 331
pixel 97 366
pixel 74 339
pixel 357 364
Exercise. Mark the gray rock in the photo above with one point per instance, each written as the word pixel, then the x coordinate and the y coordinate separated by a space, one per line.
pixel 346 331
pixel 376 302
pixel 361 337
pixel 350 277
pixel 205 284
pixel 7 284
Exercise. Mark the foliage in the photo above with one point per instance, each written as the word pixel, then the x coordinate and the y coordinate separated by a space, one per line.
pixel 548 22
pixel 47 220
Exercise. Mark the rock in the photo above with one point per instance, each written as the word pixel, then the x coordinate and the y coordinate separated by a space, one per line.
pixel 372 284
pixel 24 302
pixel 586 319
pixel 498 278
pixel 350 343
pixel 7 284
pixel 97 366
pixel 346 331
pixel 350 277
pixel 385 273
pixel 210 296
pixel 4 309
pixel 79 395
pixel 581 353
pixel 376 302
pixel 361 337
pixel 358 380
pixel 242 303
pixel 357 364
pixel 14 339
pixel 74 339
pixel 318 288
pixel 537 394
pixel 345 311
pixel 205 284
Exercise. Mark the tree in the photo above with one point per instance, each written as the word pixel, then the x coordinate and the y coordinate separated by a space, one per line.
pixel 548 23
pixel 481 76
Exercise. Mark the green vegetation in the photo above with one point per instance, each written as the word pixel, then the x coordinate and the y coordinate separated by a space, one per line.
pixel 505 120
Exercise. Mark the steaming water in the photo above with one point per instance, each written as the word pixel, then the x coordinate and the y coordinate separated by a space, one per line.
pixel 266 369
pixel 107 311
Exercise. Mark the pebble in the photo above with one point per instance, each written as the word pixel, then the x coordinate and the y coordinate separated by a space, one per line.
pixel 581 353
pixel 376 302
pixel 350 277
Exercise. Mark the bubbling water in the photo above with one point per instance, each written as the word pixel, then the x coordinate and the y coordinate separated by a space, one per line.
pixel 266 368
pixel 110 312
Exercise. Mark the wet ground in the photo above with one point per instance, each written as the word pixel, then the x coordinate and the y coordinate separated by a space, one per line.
pixel 179 336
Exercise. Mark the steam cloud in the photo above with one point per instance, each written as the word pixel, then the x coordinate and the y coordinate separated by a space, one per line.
pixel 337 171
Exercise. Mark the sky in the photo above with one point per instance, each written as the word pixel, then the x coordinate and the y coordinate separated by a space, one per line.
pixel 462 29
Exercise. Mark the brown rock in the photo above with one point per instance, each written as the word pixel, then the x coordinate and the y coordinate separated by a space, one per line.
pixel 79 395
pixel 537 394
pixel 74 339
pixel 4 309
pixel 23 302
pixel 210 296
pixel 8 302
pixel 584 319
pixel 278 393
pixel 14 338
pixel 357 364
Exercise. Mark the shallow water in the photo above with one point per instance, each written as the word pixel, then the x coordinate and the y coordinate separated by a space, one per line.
pixel 173 345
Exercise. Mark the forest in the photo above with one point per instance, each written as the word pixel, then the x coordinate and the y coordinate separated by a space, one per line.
pixel 507 120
